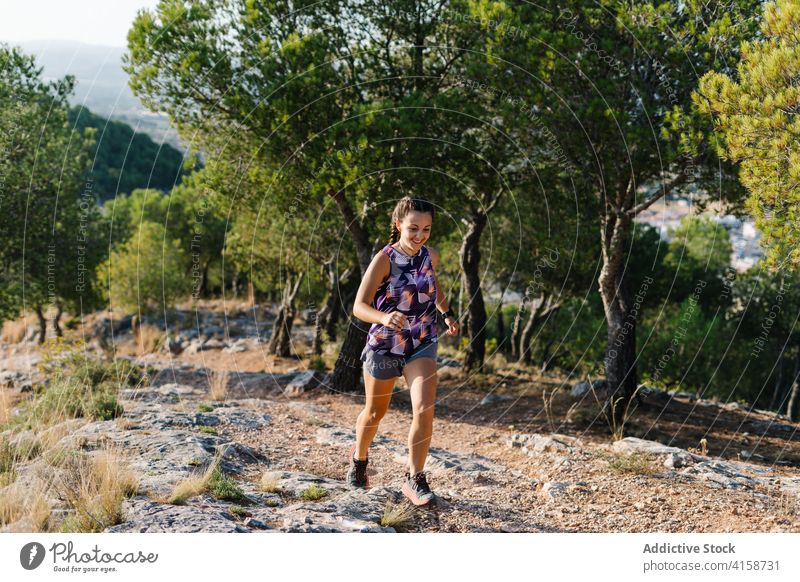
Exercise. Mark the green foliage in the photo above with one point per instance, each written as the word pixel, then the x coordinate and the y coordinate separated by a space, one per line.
pixel 313 493
pixel 754 111
pixel 223 487
pixel 141 163
pixel 78 386
pixel 50 245
pixel 146 273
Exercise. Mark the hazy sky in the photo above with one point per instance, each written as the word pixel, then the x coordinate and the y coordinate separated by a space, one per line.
pixel 101 22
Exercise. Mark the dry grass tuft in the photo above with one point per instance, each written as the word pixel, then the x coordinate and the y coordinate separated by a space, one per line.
pixel 270 482
pixel 14 331
pixel 94 487
pixel 638 463
pixel 24 509
pixel 219 384
pixel 149 338
pixel 194 484
pixel 397 516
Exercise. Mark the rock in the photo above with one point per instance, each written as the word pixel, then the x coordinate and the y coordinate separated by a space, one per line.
pixel 649 394
pixel 213 344
pixel 302 383
pixel 240 345
pixel 250 522
pixel 535 443
pixel 673 457
pixel 445 362
pixel 10 379
pixel 583 388
pixel 722 474
pixel 554 489
pixel 142 515
pixel 492 398
pixel 174 345
pixel 441 460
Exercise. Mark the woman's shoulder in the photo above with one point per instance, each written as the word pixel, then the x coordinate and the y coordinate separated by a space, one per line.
pixel 432 253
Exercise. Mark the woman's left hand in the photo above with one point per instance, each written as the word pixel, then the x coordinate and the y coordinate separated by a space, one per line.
pixel 452 326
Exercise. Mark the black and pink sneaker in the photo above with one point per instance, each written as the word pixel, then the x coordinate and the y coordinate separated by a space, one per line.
pixel 357 473
pixel 417 490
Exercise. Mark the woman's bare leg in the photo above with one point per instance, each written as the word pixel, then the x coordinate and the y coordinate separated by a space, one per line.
pixel 379 393
pixel 422 380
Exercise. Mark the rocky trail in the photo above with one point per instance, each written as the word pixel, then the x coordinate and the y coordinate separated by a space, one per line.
pixel 500 461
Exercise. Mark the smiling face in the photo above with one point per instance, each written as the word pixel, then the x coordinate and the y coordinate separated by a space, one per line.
pixel 415 229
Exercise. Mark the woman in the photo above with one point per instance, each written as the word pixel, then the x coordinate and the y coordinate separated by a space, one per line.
pixel 399 296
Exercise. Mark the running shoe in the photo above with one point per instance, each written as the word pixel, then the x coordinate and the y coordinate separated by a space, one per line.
pixel 416 489
pixel 357 473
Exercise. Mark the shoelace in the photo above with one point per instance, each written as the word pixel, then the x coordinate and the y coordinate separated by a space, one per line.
pixel 421 482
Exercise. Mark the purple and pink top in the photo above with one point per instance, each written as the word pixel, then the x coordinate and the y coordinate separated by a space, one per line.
pixel 409 289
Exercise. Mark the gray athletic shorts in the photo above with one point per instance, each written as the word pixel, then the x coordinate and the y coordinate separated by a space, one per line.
pixel 384 367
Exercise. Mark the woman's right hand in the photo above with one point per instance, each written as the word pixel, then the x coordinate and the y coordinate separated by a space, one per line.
pixel 394 320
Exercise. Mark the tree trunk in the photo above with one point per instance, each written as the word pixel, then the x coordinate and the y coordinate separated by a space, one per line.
pixel 778 382
pixel 280 343
pixel 531 325
pixel 347 370
pixel 516 328
pixel 620 359
pixel 251 294
pixel 204 282
pixel 501 326
pixel 57 321
pixel 795 390
pixel 470 256
pixel 327 316
pixel 42 324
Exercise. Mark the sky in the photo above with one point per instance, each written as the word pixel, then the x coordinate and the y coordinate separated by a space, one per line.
pixel 98 22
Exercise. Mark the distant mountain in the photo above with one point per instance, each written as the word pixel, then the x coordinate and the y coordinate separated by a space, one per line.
pixel 101 84
pixel 124 160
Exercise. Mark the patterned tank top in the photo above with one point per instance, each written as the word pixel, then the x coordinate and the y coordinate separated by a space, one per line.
pixel 410 289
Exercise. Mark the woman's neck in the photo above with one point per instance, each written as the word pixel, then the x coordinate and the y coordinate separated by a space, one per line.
pixel 400 248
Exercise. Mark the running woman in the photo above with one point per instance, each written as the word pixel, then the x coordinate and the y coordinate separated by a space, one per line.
pixel 399 296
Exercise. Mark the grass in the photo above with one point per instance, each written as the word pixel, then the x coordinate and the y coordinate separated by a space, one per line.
pixel 94 487
pixel 204 408
pixel 193 485
pixel 208 429
pixel 12 452
pixel 638 463
pixel 149 338
pixel 213 481
pixel 27 507
pixel 240 511
pixel 397 516
pixel 223 487
pixel 313 493
pixel 616 425
pixel 270 482
pixel 79 386
pixel 219 384
pixel 14 331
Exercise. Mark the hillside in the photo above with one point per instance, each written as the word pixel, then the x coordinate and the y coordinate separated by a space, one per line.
pixel 500 460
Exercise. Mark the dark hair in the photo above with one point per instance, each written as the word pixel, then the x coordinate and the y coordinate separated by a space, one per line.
pixel 403 207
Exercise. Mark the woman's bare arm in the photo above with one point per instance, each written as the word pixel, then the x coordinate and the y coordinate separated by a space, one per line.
pixel 378 270
pixel 441 301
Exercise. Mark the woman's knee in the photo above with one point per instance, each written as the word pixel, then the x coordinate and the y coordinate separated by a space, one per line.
pixel 423 412
pixel 373 416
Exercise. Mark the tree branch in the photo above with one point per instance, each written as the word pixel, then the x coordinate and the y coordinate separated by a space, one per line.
pixel 658 195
